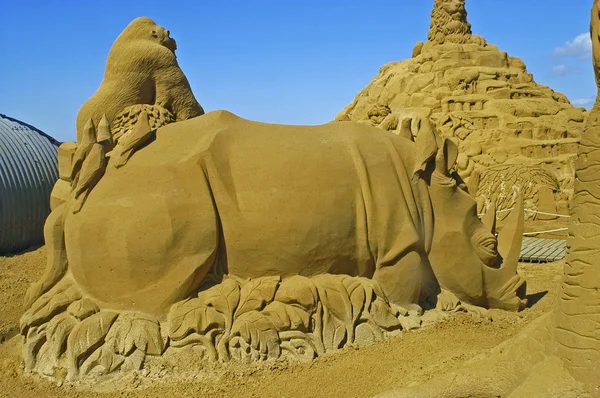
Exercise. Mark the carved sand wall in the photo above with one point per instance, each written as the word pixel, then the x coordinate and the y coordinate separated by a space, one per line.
pixel 578 312
pixel 501 184
pixel 479 96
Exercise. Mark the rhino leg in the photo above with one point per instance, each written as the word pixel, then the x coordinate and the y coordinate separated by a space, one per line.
pixel 504 287
pixel 56 256
pixel 401 281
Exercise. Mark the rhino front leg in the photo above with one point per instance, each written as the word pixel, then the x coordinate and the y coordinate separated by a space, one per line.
pixel 504 287
pixel 56 256
pixel 401 281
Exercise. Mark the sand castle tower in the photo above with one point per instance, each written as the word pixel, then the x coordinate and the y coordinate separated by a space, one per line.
pixel 508 127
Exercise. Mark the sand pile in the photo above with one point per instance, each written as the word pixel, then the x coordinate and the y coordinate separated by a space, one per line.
pixel 357 372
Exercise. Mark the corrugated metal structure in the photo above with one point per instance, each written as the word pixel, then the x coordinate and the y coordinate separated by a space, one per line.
pixel 28 171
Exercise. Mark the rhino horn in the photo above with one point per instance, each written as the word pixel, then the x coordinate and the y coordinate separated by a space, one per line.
pixel 511 237
pixel 489 218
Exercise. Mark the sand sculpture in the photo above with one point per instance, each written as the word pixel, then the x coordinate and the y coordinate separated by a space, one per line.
pixel 142 75
pixel 478 96
pixel 558 354
pixel 141 68
pixel 239 240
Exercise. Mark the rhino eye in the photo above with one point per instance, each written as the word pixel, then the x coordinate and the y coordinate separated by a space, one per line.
pixel 486 247
pixel 491 243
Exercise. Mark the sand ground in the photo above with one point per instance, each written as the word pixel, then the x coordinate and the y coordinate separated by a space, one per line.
pixel 410 358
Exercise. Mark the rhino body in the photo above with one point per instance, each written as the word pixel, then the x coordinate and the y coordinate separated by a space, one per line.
pixel 268 199
pixel 265 199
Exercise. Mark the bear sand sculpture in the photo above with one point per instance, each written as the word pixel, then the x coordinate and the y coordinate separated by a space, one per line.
pixel 182 233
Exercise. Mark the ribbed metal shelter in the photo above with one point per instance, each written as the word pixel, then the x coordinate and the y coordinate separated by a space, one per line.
pixel 28 171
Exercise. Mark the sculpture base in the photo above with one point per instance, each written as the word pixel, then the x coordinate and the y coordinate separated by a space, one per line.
pixel 67 335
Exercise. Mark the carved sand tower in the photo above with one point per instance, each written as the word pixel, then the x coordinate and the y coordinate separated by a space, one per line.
pixel 487 102
pixel 557 355
pixel 578 314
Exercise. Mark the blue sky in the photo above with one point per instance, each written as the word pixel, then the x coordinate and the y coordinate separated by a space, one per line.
pixel 280 61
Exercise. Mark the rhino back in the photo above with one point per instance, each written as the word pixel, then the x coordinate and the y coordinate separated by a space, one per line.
pixel 311 199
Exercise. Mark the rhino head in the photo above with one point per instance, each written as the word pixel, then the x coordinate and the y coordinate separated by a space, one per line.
pixel 465 255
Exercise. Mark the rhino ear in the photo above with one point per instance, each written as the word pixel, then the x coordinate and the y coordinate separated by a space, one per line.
pixel 446 157
pixel 426 144
pixel 405 128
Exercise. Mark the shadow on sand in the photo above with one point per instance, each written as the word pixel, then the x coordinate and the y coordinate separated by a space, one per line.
pixel 533 298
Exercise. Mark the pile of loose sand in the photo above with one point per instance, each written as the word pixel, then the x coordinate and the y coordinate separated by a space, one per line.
pixel 410 358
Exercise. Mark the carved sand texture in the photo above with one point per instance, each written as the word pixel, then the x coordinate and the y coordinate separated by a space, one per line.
pixel 479 96
pixel 500 185
pixel 296 318
pixel 337 374
pixel 558 354
pixel 577 313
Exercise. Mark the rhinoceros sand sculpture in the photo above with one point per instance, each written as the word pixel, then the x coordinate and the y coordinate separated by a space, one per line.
pixel 253 241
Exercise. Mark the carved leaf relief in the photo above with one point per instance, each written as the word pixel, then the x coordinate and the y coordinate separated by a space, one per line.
pixel 88 334
pixel 130 332
pixel 193 316
pixel 256 329
pixel 256 293
pixel 287 316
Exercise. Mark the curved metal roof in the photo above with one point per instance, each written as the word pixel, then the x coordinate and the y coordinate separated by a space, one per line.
pixel 28 171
